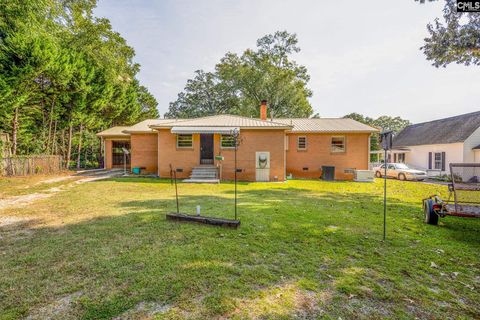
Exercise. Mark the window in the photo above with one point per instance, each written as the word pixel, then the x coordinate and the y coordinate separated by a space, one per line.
pixel 401 157
pixel 302 143
pixel 184 141
pixel 438 161
pixel 338 144
pixel 227 141
pixel 287 142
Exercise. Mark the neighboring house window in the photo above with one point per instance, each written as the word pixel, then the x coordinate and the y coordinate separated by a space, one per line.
pixel 401 157
pixel 302 143
pixel 227 141
pixel 438 161
pixel 338 144
pixel 184 141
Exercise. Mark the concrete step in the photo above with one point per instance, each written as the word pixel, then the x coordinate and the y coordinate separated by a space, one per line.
pixel 191 180
pixel 203 174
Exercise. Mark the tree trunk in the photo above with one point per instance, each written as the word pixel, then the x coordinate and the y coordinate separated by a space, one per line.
pixel 54 138
pixel 50 124
pixel 14 132
pixel 69 148
pixel 79 146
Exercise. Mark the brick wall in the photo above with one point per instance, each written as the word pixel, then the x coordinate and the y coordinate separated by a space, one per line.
pixel 182 158
pixel 253 141
pixel 319 154
pixel 144 151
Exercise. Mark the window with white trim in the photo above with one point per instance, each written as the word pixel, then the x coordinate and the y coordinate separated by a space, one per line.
pixel 302 143
pixel 438 160
pixel 227 141
pixel 338 144
pixel 184 141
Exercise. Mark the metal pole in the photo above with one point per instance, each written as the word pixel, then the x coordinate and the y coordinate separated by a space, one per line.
pixel 236 178
pixel 385 198
pixel 176 190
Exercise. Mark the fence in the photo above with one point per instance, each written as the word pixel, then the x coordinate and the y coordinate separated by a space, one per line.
pixel 28 165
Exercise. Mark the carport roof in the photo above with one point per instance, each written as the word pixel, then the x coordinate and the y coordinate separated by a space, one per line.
pixel 114 132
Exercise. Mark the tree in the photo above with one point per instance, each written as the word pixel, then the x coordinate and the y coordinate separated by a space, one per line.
pixel 204 95
pixel 396 124
pixel 240 82
pixel 455 39
pixel 65 75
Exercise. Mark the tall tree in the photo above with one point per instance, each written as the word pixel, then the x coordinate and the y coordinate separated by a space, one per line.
pixel 64 75
pixel 240 82
pixel 454 38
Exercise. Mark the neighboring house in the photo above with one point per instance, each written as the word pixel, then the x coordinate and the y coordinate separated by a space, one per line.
pixel 434 145
pixel 269 150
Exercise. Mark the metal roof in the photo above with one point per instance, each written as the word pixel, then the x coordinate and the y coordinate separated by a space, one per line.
pixel 192 130
pixel 223 120
pixel 113 131
pixel 144 126
pixel 448 130
pixel 326 125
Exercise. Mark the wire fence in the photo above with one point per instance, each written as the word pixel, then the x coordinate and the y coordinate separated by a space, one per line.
pixel 30 165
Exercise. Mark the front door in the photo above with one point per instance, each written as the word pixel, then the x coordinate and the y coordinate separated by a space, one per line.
pixel 206 149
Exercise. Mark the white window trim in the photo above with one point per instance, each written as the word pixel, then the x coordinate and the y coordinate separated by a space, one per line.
pixel 298 143
pixel 179 147
pixel 221 142
pixel 435 161
pixel 344 144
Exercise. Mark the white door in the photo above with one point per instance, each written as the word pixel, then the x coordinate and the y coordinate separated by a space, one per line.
pixel 262 164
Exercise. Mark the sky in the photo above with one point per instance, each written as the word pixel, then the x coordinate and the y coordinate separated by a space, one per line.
pixel 362 56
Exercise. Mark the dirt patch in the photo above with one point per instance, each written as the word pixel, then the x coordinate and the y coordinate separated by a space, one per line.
pixel 144 310
pixel 20 201
pixel 285 301
pixel 54 180
pixel 24 200
pixel 59 309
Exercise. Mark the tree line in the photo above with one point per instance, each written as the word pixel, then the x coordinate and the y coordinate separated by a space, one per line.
pixel 65 75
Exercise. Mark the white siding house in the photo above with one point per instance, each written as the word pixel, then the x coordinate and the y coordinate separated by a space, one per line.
pixel 432 146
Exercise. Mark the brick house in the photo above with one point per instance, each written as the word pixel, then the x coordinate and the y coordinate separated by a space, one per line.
pixel 269 150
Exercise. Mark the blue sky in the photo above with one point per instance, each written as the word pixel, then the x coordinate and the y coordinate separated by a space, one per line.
pixel 362 56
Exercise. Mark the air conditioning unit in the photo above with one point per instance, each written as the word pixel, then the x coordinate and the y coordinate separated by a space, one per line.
pixel 262 165
pixel 364 175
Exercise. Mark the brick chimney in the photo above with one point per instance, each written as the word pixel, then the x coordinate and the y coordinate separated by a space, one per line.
pixel 263 110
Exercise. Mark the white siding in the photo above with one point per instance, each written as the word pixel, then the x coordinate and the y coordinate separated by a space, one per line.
pixel 471 142
pixel 418 155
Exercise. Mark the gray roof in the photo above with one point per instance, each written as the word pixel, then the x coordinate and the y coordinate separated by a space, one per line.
pixel 448 130
pixel 326 125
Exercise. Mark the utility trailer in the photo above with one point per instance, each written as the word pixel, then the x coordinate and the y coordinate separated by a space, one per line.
pixel 464 195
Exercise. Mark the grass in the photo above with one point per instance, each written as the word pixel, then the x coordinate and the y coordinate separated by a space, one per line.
pixel 305 249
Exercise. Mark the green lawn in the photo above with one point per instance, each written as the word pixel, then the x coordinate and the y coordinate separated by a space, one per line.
pixel 305 249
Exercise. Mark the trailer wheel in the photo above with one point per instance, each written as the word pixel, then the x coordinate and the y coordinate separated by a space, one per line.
pixel 430 216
